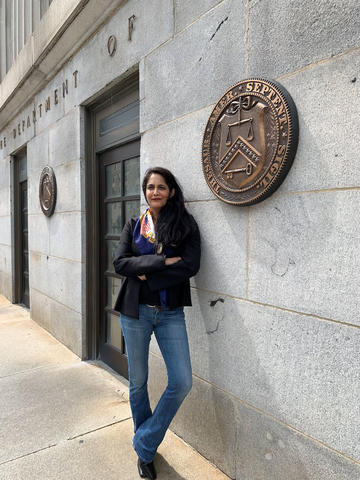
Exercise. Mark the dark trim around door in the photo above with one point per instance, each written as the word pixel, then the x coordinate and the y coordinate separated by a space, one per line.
pixel 92 201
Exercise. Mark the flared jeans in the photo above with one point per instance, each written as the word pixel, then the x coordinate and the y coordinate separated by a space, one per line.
pixel 168 325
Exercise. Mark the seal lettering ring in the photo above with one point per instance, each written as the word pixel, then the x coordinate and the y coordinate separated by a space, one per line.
pixel 47 191
pixel 250 141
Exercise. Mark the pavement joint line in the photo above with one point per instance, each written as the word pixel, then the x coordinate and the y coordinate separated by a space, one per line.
pixel 30 370
pixel 61 441
pixel 60 366
pixel 28 454
pixel 99 428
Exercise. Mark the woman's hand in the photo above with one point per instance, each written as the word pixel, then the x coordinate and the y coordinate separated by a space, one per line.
pixel 172 260
pixel 142 277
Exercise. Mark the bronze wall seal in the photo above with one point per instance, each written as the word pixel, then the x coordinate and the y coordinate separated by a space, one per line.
pixel 47 191
pixel 250 141
pixel 111 45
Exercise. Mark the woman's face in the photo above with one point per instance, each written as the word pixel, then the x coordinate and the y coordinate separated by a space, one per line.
pixel 157 192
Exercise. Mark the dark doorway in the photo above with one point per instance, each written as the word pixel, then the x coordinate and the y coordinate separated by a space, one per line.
pixel 112 196
pixel 21 248
pixel 119 194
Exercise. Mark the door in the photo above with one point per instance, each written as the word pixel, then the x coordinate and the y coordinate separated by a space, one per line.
pixel 21 230
pixel 112 196
pixel 120 200
pixel 24 289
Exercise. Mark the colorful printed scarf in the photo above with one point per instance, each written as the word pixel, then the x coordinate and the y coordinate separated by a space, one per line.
pixel 144 236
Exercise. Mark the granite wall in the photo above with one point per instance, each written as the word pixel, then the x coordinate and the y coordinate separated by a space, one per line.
pixel 274 330
pixel 274 327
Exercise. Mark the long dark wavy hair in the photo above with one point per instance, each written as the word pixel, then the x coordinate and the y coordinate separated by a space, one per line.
pixel 174 221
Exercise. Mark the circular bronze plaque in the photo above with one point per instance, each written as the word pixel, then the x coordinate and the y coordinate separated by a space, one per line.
pixel 111 45
pixel 250 141
pixel 47 191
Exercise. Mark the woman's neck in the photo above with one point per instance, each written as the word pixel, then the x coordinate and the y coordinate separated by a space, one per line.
pixel 154 214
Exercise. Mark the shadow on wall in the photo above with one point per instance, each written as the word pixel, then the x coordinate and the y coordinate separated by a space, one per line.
pixel 292 231
pixel 260 450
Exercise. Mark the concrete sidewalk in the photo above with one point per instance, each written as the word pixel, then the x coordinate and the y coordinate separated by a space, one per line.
pixel 61 418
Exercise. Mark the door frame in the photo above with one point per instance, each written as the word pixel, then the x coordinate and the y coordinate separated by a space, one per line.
pixel 92 204
pixel 16 230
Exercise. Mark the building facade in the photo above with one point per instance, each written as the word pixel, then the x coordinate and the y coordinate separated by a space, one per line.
pixel 101 90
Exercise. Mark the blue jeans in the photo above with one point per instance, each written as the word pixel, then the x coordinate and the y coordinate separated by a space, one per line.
pixel 168 324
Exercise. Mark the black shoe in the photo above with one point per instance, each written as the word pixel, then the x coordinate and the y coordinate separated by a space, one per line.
pixel 146 470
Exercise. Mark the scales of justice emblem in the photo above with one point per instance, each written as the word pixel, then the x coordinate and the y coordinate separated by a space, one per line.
pixel 46 192
pixel 250 141
pixel 242 140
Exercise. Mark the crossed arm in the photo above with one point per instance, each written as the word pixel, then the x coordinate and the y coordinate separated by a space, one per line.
pixel 159 272
pixel 168 261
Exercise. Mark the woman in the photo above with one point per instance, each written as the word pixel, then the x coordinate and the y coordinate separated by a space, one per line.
pixel 157 254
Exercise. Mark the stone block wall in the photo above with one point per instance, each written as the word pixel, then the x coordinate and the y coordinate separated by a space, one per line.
pixel 5 229
pixel 274 327
pixel 57 138
pixel 57 243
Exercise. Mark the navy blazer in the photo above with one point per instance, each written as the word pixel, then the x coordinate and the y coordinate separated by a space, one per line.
pixel 175 278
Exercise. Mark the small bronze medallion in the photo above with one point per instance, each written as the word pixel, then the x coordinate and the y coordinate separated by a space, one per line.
pixel 47 191
pixel 250 141
pixel 111 45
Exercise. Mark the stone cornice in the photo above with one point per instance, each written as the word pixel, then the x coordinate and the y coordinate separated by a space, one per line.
pixel 65 26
